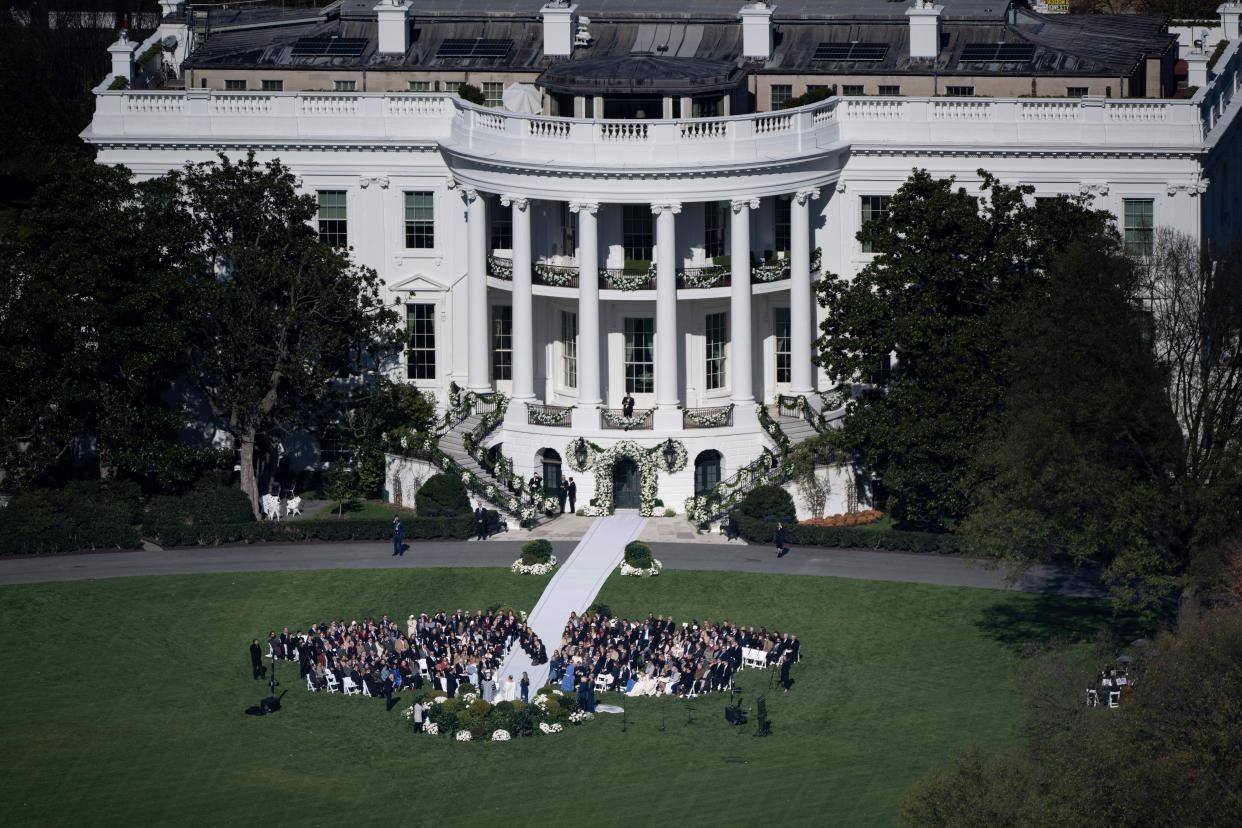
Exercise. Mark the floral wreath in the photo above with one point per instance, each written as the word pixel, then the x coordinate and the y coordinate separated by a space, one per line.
pixel 602 460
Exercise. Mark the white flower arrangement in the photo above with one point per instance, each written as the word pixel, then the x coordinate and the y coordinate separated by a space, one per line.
pixel 702 277
pixel 545 416
pixel 463 736
pixel 580 716
pixel 541 701
pixel 439 700
pixel 519 568
pixel 620 280
pixel 639 572
pixel 613 420
pixel 409 712
pixel 554 275
pixel 557 692
pixel 649 461
pixel 709 417
pixel 544 727
pixel 431 729
pixel 500 736
pixel 469 699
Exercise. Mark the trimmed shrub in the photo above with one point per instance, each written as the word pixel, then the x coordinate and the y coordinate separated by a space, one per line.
pixel 459 528
pixel 83 515
pixel 600 609
pixel 758 531
pixel 536 551
pixel 769 504
pixel 442 496
pixel 638 554
pixel 209 505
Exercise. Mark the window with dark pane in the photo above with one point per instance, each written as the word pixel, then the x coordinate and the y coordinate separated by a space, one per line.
pixel 333 221
pixel 640 355
pixel 716 338
pixel 420 220
pixel 783 358
pixel 502 342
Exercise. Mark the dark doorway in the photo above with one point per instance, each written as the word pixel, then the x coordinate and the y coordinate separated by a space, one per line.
pixel 625 484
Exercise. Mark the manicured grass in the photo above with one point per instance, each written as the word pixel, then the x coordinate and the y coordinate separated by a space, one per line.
pixel 124 705
pixel 366 510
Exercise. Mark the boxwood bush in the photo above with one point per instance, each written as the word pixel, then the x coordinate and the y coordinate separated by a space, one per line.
pixel 768 503
pixel 443 495
pixel 82 515
pixel 209 505
pixel 759 531
pixel 456 528
pixel 638 554
pixel 536 551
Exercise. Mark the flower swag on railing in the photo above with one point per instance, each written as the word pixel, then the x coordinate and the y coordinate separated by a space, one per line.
pixel 708 417
pixel 702 277
pixel 500 268
pixel 541 415
pixel 771 271
pixel 612 420
pixel 766 468
pixel 555 275
pixel 774 430
pixel 623 280
pixel 649 461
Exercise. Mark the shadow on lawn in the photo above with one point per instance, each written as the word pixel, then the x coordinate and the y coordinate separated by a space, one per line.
pixel 1043 619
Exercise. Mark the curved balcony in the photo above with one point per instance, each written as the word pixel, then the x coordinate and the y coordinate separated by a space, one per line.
pixel 688 278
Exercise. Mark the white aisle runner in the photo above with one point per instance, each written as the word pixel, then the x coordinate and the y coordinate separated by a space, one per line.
pixel 572 588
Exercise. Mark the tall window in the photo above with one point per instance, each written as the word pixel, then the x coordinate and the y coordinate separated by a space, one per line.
pixel 781 240
pixel 333 222
pixel 420 351
pixel 714 213
pixel 493 94
pixel 778 94
pixel 715 340
pixel 873 207
pixel 569 229
pixel 783 359
pixel 569 348
pixel 640 355
pixel 501 224
pixel 420 220
pixel 636 232
pixel 502 342
pixel 706 472
pixel 1139 213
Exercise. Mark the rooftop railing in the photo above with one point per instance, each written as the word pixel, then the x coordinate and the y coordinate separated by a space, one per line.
pixel 358 117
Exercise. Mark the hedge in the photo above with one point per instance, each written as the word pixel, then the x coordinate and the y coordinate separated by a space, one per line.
pixel 768 503
pixel 456 528
pixel 212 505
pixel 538 551
pixel 83 515
pixel 443 495
pixel 800 534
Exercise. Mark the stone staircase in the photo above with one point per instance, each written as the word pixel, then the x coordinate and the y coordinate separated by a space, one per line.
pixel 452 444
pixel 797 429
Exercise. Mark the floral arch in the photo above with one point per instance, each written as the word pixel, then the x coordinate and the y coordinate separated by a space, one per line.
pixel 601 461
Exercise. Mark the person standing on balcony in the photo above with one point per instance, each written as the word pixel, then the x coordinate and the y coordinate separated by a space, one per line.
pixel 627 406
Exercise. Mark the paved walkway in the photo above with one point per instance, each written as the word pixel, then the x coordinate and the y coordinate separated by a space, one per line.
pixel 572 588
pixel 842 563
pixel 657 530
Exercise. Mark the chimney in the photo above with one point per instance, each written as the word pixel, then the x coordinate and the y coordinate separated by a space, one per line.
pixel 122 53
pixel 924 29
pixel 757 30
pixel 1197 67
pixel 394 26
pixel 559 25
pixel 1230 14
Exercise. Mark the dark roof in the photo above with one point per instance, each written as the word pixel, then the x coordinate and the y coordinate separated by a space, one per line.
pixel 1085 45
pixel 634 74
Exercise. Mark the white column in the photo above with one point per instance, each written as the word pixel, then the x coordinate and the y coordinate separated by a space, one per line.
pixel 523 310
pixel 588 307
pixel 477 376
pixel 740 324
pixel 801 300
pixel 668 359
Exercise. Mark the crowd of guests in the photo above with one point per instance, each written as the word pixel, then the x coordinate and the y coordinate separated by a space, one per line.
pixel 661 656
pixel 385 657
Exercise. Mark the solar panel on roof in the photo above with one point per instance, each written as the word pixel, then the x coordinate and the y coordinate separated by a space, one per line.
pixel 329 46
pixel 998 53
pixel 474 47
pixel 850 51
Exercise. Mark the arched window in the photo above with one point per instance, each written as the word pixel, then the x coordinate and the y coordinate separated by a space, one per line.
pixel 706 471
pixel 550 461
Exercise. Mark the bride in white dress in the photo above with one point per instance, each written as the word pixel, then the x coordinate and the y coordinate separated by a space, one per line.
pixel 510 692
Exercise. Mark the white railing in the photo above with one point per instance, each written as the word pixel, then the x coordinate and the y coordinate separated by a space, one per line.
pixel 825 126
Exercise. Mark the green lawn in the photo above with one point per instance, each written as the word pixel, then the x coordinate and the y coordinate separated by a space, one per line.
pixel 124 703
pixel 366 510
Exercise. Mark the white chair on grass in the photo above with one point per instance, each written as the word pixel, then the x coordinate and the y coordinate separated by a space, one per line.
pixel 270 506
pixel 752 658
pixel 310 685
pixel 366 691
pixel 349 688
pixel 1093 698
pixel 333 685
pixel 422 668
pixel 293 506
pixel 1114 698
pixel 601 684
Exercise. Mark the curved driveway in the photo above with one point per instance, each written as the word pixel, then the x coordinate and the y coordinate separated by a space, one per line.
pixel 841 563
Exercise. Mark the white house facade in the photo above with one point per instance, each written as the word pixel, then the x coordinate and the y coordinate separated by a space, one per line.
pixel 567 260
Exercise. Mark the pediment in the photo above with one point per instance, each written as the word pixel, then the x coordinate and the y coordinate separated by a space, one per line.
pixel 419 283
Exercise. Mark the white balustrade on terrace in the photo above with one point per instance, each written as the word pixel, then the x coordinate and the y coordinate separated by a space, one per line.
pixel 501 137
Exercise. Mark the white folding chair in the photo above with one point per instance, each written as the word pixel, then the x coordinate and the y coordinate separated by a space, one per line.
pixel 601 686
pixel 293 506
pixel 349 688
pixel 422 668
pixel 310 685
pixel 1093 698
pixel 1114 698
pixel 333 684
pixel 366 691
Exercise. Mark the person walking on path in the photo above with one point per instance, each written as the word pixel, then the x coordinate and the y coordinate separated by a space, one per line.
pixel 398 536
pixel 480 522
pixel 562 493
pixel 572 491
pixel 525 685
pixel 779 540
pixel 256 659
